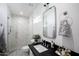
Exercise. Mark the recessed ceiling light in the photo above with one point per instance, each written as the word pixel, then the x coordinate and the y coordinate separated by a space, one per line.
pixel 21 13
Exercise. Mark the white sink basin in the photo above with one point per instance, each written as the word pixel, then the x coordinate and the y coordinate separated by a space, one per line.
pixel 40 48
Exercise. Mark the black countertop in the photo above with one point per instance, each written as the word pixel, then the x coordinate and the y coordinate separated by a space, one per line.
pixel 49 52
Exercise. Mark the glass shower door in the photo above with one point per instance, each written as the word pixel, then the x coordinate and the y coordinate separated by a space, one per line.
pixel 12 35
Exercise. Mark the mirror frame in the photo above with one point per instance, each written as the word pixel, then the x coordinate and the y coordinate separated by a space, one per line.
pixel 55 34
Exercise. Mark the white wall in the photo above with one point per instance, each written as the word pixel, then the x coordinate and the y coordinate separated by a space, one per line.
pixel 30 29
pixel 72 9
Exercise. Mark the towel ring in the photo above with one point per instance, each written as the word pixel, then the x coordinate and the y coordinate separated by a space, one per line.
pixel 68 18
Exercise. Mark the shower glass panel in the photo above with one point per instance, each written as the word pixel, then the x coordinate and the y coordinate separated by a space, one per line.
pixel 11 40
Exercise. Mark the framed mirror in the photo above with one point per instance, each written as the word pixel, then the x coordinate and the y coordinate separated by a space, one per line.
pixel 49 23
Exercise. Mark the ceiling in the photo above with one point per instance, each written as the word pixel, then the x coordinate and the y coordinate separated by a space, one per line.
pixel 22 9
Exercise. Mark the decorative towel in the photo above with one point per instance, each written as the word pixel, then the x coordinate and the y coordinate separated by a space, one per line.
pixel 65 29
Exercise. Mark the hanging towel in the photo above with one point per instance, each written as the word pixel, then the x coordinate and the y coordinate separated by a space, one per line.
pixel 65 29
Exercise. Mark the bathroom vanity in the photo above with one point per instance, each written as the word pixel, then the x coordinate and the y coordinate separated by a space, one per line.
pixel 41 50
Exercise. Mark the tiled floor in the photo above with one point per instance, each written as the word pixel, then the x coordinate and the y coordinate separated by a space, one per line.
pixel 18 52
